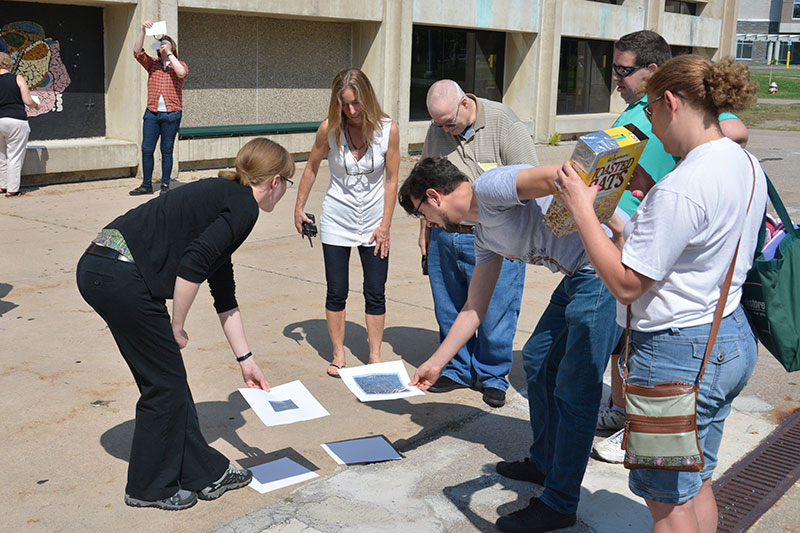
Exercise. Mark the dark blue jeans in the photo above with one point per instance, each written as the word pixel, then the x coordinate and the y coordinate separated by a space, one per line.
pixel 564 362
pixel 337 275
pixel 486 358
pixel 155 125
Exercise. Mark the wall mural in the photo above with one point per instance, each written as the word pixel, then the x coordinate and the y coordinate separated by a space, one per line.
pixel 38 59
pixel 59 50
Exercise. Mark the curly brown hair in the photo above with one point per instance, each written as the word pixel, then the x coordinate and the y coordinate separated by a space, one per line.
pixel 715 87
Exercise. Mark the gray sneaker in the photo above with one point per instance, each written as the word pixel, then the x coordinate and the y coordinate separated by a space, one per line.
pixel 230 480
pixel 610 417
pixel 610 450
pixel 183 499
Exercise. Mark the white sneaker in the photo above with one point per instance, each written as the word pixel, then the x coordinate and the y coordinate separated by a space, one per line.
pixel 610 417
pixel 610 450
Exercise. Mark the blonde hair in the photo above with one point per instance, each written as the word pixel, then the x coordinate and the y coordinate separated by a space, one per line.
pixel 258 161
pixel 714 87
pixel 5 61
pixel 353 78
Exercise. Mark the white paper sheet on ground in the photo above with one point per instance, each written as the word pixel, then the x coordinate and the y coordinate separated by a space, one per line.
pixel 158 28
pixel 277 474
pixel 381 381
pixel 284 404
pixel 359 451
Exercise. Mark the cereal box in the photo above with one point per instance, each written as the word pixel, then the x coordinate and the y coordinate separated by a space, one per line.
pixel 606 158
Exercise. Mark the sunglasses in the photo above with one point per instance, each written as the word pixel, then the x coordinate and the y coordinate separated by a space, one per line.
pixel 624 72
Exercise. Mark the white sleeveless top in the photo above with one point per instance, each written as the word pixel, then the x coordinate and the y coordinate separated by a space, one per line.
pixel 353 205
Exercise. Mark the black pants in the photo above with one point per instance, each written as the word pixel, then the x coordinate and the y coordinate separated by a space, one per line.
pixel 168 450
pixel 337 275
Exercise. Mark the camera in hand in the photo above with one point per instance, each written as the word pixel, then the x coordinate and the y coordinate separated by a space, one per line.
pixel 310 229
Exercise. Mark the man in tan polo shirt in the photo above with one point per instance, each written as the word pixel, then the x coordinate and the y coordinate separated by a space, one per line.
pixel 474 134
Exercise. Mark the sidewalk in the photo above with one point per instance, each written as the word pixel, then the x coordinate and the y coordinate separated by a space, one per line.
pixel 68 398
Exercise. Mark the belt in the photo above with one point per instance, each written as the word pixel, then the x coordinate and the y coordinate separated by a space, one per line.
pixel 104 251
pixel 463 228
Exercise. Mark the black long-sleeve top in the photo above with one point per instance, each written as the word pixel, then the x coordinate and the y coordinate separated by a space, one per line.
pixel 191 232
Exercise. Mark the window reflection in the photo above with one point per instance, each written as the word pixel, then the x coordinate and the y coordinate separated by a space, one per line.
pixel 474 59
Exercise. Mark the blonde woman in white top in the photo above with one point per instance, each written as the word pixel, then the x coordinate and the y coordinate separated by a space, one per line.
pixel 363 149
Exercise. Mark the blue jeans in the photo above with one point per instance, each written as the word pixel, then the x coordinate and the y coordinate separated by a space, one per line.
pixel 676 355
pixel 564 362
pixel 155 125
pixel 487 356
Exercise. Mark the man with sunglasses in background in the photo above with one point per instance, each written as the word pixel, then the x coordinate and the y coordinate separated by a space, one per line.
pixel 637 56
pixel 475 134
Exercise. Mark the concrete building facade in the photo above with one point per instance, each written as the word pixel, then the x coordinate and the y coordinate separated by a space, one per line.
pixel 768 31
pixel 265 67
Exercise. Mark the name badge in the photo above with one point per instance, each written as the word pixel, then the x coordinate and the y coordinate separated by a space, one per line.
pixel 488 166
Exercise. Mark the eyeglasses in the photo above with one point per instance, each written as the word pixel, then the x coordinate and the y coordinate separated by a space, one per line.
pixel 416 213
pixel 450 124
pixel 624 72
pixel 648 112
pixel 289 182
pixel 355 170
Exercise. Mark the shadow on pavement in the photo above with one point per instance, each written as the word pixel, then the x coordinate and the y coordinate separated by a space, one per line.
pixel 218 420
pixel 5 307
pixel 413 345
pixel 463 494
pixel 426 415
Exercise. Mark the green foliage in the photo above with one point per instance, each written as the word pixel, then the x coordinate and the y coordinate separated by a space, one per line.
pixel 771 117
pixel 788 81
pixel 555 139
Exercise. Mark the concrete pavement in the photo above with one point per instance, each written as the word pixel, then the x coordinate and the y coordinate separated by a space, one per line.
pixel 68 398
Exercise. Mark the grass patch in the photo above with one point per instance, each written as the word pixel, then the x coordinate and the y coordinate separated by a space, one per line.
pixel 772 117
pixel 788 82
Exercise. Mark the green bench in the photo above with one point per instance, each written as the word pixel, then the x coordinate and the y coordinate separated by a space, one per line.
pixel 239 130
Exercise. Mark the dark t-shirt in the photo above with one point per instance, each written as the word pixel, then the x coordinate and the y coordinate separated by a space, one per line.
pixel 11 104
pixel 191 232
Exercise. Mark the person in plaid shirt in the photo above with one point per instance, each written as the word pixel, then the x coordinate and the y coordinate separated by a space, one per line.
pixel 162 118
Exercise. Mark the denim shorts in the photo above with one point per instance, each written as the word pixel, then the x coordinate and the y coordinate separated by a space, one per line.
pixel 677 354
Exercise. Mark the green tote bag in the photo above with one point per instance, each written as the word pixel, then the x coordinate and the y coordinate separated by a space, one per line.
pixel 771 293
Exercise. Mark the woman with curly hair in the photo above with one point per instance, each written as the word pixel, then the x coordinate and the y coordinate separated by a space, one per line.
pixel 678 249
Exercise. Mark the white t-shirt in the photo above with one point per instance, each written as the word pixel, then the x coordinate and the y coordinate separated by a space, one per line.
pixel 516 230
pixel 685 232
pixel 353 206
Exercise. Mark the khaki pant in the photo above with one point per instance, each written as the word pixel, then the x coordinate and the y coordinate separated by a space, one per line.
pixel 13 140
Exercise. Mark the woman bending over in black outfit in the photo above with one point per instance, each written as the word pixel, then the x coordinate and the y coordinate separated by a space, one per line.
pixel 164 249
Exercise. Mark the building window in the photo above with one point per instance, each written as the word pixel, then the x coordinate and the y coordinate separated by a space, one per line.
pixel 794 59
pixel 678 50
pixel 584 76
pixel 744 50
pixel 796 9
pixel 677 6
pixel 474 59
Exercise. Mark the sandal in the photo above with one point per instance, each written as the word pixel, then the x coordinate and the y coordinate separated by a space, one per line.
pixel 337 367
pixel 12 194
